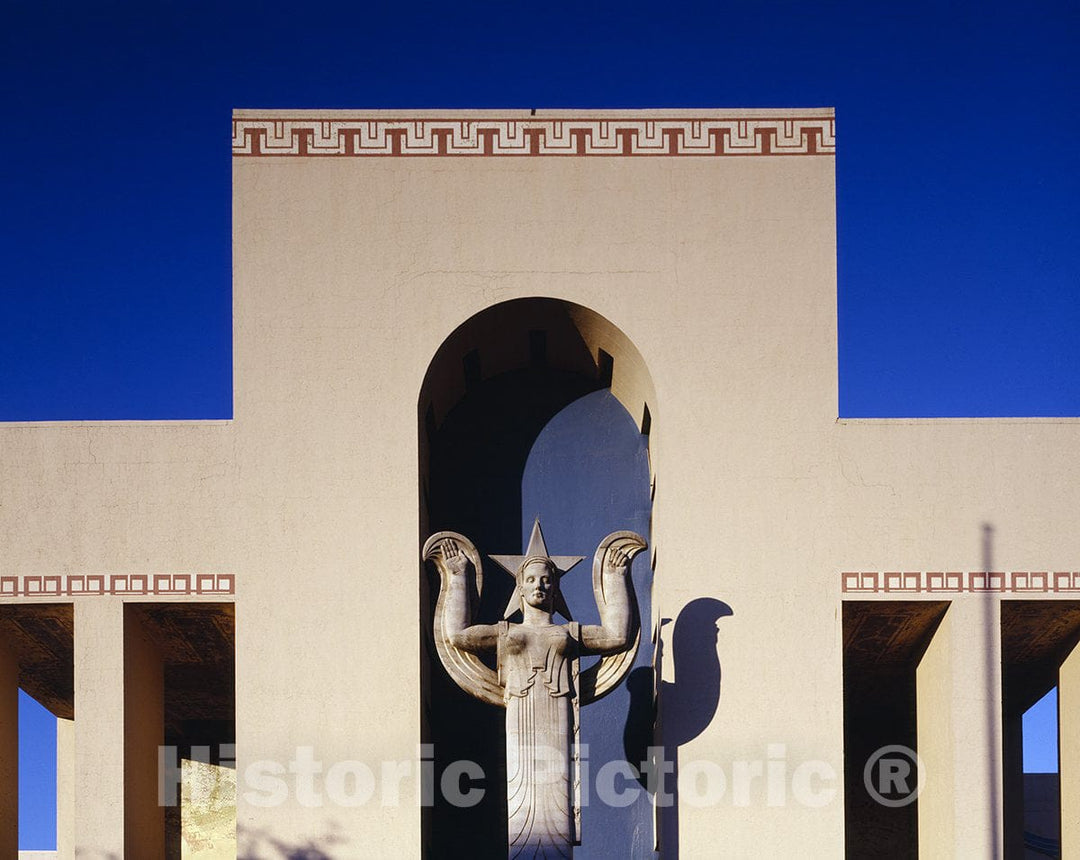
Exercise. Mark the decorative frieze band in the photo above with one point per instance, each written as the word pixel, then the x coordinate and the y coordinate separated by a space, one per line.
pixel 117 584
pixel 955 582
pixel 632 136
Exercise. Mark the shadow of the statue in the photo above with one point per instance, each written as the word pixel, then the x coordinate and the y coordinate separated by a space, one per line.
pixel 663 719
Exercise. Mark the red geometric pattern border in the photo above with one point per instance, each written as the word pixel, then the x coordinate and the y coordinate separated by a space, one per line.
pixel 118 584
pixel 632 136
pixel 955 582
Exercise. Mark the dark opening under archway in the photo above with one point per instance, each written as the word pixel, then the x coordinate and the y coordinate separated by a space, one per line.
pixel 534 406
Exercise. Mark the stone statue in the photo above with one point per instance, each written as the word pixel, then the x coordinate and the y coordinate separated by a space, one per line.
pixel 538 678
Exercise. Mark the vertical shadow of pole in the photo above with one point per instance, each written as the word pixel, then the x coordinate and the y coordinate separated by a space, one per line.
pixel 993 707
pixel 688 704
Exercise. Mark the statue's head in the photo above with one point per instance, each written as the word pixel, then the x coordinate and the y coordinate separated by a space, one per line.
pixel 538 582
pixel 536 577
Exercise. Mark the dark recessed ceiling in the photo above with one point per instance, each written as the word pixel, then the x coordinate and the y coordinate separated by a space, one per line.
pixel 197 643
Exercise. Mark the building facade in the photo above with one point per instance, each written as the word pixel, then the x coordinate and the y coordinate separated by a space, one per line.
pixel 254 587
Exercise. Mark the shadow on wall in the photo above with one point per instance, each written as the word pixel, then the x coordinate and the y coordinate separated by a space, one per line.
pixel 687 705
pixel 256 844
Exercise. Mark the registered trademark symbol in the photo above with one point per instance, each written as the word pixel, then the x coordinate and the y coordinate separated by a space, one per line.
pixel 894 775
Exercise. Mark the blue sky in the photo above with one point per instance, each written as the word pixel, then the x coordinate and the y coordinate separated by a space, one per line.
pixel 957 190
pixel 958 195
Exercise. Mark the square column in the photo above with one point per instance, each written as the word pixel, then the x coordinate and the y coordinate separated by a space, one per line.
pixel 9 752
pixel 119 724
pixel 1069 753
pixel 99 728
pixel 65 788
pixel 960 734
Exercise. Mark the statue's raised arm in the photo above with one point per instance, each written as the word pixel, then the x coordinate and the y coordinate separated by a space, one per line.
pixel 618 634
pixel 457 639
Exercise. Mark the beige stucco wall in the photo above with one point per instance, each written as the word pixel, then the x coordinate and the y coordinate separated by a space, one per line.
pixel 348 275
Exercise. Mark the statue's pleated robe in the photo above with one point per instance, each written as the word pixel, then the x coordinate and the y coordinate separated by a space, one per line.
pixel 536 669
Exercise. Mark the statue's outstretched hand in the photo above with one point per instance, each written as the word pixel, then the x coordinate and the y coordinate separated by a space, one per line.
pixel 454 559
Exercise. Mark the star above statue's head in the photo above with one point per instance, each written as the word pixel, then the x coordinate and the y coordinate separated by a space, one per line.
pixel 537 552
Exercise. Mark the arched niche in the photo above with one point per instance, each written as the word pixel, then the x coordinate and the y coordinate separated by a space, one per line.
pixel 492 388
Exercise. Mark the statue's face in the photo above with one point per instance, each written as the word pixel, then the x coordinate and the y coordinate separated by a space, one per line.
pixel 537 585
